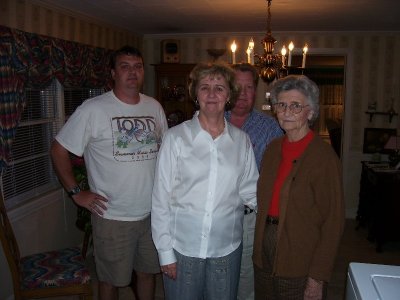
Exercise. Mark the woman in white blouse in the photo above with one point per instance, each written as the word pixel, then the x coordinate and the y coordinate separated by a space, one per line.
pixel 205 173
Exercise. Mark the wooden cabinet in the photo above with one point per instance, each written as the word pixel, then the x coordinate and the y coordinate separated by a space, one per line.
pixel 172 91
pixel 379 206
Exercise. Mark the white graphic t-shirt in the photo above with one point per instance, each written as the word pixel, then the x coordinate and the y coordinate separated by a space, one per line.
pixel 120 143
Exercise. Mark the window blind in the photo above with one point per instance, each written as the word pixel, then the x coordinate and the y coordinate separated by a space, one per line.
pixel 30 172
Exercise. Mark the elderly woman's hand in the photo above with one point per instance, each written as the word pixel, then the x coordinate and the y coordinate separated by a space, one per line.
pixel 169 270
pixel 314 289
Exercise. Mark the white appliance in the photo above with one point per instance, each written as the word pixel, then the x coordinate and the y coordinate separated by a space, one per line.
pixel 373 282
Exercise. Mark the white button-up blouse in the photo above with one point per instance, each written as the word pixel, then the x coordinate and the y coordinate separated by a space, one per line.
pixel 201 185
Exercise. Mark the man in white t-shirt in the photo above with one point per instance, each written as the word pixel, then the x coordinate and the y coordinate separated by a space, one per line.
pixel 119 133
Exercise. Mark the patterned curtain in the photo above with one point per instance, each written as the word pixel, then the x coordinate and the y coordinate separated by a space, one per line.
pixel 32 60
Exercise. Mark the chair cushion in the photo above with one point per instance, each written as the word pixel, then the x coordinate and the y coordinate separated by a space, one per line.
pixel 54 269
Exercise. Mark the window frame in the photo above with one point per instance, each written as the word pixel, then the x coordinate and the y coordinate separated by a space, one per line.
pixel 17 196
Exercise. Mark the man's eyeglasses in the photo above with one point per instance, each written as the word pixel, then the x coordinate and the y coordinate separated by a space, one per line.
pixel 295 108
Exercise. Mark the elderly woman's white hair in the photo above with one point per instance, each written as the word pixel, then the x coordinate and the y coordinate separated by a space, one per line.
pixel 301 84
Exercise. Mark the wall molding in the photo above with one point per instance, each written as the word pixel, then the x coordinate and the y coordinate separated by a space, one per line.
pixel 260 33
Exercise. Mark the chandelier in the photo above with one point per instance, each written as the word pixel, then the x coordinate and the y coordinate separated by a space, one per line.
pixel 271 66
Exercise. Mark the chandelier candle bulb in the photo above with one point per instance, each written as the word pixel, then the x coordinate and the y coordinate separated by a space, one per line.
pixel 283 52
pixel 305 49
pixel 291 47
pixel 251 44
pixel 251 47
pixel 248 51
pixel 233 48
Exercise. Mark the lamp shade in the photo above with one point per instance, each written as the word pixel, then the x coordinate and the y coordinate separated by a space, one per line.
pixel 393 143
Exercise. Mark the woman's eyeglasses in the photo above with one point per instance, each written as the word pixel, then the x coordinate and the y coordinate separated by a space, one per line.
pixel 295 108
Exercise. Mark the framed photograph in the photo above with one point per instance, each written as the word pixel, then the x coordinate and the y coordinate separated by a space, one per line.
pixel 375 139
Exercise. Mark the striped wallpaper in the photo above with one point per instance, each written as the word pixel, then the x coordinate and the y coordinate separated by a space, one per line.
pixel 31 17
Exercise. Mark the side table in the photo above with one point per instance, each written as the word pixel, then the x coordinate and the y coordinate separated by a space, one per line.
pixel 379 203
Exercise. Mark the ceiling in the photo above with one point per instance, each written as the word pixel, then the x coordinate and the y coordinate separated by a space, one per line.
pixel 205 16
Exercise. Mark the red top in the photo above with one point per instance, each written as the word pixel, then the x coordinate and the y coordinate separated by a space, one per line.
pixel 290 152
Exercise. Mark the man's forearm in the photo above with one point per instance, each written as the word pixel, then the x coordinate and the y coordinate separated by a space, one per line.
pixel 63 166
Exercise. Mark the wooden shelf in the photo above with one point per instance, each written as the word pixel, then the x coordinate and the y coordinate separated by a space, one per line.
pixel 391 114
pixel 172 91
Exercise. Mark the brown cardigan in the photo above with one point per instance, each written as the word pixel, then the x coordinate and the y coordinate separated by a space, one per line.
pixel 311 206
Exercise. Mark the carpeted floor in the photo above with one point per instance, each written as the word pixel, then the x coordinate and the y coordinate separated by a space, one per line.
pixel 354 248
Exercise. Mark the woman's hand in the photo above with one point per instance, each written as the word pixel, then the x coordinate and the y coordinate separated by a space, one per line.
pixel 169 270
pixel 314 289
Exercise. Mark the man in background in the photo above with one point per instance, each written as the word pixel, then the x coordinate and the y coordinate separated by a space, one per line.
pixel 262 129
pixel 119 134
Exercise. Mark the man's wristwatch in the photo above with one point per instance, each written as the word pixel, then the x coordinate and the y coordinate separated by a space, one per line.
pixel 75 190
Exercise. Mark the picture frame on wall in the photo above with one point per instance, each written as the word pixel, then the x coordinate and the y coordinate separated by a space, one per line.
pixel 375 139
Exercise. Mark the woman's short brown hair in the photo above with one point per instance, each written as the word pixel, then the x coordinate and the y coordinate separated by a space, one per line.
pixel 203 70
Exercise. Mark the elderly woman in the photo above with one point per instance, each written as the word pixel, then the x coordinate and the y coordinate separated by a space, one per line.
pixel 300 201
pixel 205 173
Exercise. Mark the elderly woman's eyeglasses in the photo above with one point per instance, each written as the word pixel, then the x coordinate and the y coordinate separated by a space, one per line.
pixel 295 107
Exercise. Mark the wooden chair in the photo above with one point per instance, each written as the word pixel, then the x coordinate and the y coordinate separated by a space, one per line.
pixel 47 274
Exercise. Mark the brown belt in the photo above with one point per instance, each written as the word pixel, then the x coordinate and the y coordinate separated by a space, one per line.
pixel 272 220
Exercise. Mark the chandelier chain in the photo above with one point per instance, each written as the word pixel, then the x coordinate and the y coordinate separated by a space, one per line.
pixel 269 17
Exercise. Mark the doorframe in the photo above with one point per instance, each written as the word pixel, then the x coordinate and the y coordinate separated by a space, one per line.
pixel 347 111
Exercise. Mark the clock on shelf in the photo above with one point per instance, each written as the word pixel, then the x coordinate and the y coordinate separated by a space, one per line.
pixel 170 51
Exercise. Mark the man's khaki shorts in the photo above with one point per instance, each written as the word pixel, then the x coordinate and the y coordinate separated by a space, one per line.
pixel 121 247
